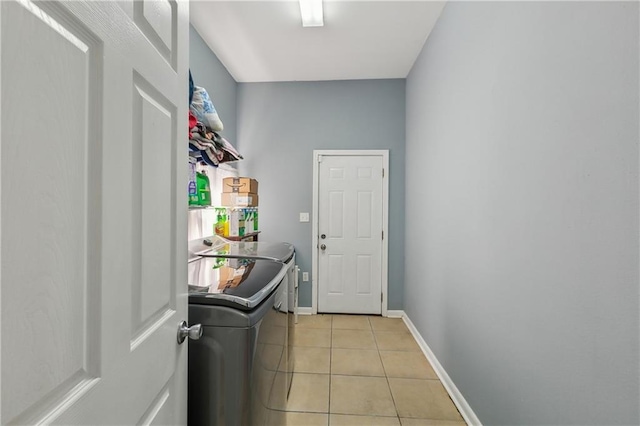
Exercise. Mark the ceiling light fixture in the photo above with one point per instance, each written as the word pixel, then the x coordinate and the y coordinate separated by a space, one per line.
pixel 311 11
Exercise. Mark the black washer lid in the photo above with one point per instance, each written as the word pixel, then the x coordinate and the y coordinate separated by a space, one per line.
pixel 241 283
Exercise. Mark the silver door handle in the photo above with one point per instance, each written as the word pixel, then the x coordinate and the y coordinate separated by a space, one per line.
pixel 323 247
pixel 194 332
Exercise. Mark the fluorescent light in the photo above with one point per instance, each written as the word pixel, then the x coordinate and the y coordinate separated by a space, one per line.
pixel 311 11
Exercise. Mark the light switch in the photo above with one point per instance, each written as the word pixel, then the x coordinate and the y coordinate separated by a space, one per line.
pixel 304 217
pixel 305 276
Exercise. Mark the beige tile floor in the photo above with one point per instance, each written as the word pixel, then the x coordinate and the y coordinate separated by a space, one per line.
pixel 363 370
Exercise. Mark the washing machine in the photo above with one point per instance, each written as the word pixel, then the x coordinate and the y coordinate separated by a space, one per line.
pixel 217 246
pixel 237 369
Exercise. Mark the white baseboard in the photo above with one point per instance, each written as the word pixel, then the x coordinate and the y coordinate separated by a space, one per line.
pixel 304 310
pixel 464 407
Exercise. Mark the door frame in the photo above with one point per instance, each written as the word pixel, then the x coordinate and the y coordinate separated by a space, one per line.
pixel 384 153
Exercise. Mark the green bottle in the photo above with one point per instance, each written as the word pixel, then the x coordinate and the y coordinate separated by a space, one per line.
pixel 219 226
pixel 255 220
pixel 204 190
pixel 194 199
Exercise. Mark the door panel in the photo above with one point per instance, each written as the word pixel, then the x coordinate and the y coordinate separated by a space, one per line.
pixel 364 212
pixel 336 212
pixel 48 276
pixel 350 207
pixel 364 267
pixel 159 412
pixel 158 20
pixel 154 292
pixel 93 278
pixel 336 274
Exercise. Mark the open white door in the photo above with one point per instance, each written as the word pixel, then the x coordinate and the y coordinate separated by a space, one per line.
pixel 351 219
pixel 93 212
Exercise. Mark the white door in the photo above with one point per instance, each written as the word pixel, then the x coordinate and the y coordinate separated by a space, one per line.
pixel 350 233
pixel 93 218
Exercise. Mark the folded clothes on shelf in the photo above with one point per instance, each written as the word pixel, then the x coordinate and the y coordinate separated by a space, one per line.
pixel 211 146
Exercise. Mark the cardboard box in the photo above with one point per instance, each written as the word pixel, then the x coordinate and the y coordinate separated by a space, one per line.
pixel 230 277
pixel 239 185
pixel 239 199
pixel 234 274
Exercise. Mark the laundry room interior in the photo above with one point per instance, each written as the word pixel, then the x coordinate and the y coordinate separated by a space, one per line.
pixel 393 213
pixel 511 131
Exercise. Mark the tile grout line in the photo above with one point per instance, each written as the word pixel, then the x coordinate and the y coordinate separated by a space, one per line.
pixel 375 339
pixel 316 373
pixel 385 373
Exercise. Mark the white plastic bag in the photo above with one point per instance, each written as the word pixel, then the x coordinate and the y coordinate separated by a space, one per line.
pixel 203 109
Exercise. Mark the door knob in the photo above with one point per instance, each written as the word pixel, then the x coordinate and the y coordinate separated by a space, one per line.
pixel 322 247
pixel 194 332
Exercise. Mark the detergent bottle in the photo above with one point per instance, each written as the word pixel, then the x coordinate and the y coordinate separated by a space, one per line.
pixel 193 189
pixel 204 190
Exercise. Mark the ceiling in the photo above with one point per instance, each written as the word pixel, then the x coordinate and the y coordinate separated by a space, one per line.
pixel 265 41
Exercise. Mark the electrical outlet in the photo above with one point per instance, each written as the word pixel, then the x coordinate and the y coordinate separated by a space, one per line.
pixel 305 276
pixel 304 217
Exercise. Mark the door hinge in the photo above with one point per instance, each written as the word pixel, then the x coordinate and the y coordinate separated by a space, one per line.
pixel 381 297
pixel 383 235
pixel 382 172
pixel 319 158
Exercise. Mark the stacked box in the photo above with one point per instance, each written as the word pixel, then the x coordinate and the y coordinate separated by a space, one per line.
pixel 239 192
pixel 240 185
pixel 239 199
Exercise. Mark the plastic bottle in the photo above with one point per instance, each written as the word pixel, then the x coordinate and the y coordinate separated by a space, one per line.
pixel 194 199
pixel 219 227
pixel 241 222
pixel 255 220
pixel 204 189
pixel 226 222
pixel 236 222
pixel 248 221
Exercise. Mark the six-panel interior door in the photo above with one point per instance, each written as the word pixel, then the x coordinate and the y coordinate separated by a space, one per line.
pixel 93 217
pixel 350 234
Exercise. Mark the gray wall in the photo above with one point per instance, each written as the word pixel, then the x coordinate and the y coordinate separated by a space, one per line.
pixel 282 123
pixel 522 165
pixel 210 73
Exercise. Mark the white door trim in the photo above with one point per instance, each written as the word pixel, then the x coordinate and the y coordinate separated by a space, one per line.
pixel 384 153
